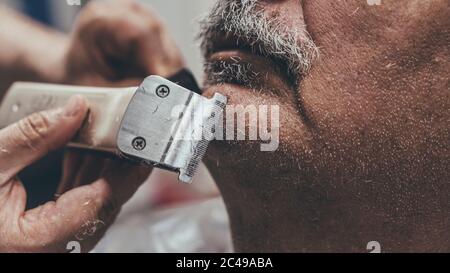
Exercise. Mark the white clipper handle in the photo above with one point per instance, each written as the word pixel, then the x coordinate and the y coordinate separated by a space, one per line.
pixel 137 122
pixel 106 109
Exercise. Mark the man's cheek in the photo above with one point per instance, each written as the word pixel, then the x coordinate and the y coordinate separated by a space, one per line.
pixel 272 135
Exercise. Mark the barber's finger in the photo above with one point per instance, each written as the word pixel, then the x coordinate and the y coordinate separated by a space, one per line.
pixel 34 136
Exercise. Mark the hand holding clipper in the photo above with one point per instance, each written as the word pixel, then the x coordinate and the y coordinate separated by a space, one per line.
pixel 136 123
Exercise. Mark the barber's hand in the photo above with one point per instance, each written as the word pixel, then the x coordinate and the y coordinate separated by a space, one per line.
pixel 119 43
pixel 81 214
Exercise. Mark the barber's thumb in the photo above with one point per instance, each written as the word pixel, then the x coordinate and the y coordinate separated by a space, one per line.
pixel 34 136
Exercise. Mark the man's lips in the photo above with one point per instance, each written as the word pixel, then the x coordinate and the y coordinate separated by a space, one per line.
pixel 228 47
pixel 239 56
pixel 265 77
pixel 227 42
pixel 265 71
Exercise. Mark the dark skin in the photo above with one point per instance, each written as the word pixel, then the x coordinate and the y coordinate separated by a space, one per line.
pixel 364 140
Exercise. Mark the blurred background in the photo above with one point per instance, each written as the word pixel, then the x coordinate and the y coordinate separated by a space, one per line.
pixel 164 215
pixel 181 17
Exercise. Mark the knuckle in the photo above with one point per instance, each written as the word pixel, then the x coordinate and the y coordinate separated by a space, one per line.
pixel 94 7
pixel 133 5
pixel 92 13
pixel 107 206
pixel 130 30
pixel 33 129
pixel 156 27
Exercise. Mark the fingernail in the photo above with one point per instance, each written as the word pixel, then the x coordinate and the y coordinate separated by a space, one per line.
pixel 73 106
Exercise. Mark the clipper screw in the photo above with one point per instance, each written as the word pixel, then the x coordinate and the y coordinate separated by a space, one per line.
pixel 139 143
pixel 162 91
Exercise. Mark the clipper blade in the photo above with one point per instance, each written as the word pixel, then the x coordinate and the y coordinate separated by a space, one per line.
pixel 169 126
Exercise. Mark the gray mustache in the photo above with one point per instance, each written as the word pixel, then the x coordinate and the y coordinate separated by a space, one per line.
pixel 272 38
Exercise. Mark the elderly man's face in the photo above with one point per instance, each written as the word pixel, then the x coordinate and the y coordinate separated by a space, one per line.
pixel 363 92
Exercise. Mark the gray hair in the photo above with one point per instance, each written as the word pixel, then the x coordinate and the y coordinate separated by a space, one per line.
pixel 292 48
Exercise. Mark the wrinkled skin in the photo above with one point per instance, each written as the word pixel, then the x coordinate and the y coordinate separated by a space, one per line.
pixel 114 43
pixel 364 139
